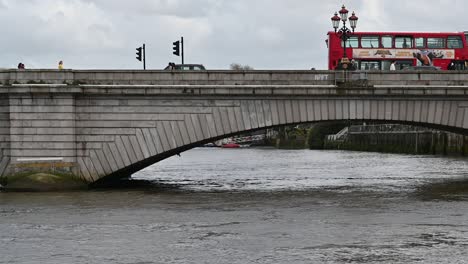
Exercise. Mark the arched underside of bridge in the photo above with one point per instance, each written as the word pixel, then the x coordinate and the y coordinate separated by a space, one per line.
pixel 133 168
pixel 188 124
pixel 112 136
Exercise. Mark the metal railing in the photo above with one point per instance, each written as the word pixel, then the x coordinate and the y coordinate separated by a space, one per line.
pixel 386 128
pixel 376 129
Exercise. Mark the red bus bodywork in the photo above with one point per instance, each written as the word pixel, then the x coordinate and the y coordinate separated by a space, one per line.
pixel 376 50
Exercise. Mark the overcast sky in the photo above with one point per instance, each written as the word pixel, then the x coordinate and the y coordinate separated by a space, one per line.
pixel 264 34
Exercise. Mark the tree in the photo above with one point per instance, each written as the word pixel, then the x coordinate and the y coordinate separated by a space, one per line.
pixel 239 67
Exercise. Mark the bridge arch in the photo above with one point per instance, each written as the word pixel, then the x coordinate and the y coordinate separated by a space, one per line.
pixel 163 127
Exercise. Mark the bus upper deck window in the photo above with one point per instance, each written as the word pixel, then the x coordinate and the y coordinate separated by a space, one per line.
pixel 454 42
pixel 403 42
pixel 370 41
pixel 420 43
pixel 435 43
pixel 352 42
pixel 387 41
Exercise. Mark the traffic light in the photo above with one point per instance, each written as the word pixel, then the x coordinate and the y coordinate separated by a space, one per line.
pixel 176 48
pixel 138 53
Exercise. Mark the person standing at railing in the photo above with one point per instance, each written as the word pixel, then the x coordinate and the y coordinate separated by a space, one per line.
pixel 353 65
pixel 60 65
pixel 392 66
pixel 451 66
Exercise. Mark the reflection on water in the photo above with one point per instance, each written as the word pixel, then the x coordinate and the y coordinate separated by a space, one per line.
pixel 252 206
pixel 299 170
pixel 450 189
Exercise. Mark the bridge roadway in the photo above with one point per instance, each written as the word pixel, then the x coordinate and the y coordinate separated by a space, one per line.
pixel 105 124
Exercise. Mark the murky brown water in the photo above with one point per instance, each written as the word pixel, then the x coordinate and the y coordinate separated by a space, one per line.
pixel 253 206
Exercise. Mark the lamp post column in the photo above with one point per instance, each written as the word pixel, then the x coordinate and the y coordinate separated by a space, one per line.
pixel 344 33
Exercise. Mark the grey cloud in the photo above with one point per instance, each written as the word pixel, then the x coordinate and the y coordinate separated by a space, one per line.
pixel 180 8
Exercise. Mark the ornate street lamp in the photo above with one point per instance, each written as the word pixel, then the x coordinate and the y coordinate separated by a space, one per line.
pixel 344 33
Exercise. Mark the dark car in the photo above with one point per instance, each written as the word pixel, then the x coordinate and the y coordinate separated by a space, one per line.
pixel 186 67
pixel 422 68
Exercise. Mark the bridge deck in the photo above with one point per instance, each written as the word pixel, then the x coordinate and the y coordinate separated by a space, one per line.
pixel 238 90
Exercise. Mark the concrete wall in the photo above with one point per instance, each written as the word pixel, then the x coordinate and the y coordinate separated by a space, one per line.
pixel 42 133
pixel 411 142
pixel 4 134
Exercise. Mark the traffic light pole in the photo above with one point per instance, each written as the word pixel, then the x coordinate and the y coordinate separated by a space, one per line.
pixel 182 43
pixel 144 57
pixel 178 48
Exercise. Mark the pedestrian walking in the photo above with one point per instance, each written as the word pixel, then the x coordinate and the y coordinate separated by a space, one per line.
pixel 392 66
pixel 170 66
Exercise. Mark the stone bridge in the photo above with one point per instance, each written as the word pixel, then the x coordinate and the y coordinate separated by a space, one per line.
pixel 106 124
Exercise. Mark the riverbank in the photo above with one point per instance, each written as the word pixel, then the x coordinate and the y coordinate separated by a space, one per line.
pixel 42 182
pixel 399 139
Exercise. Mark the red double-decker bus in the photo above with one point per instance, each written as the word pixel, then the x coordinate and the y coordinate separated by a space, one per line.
pixel 377 50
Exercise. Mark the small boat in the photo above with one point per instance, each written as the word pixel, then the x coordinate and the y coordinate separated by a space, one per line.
pixel 209 145
pixel 230 145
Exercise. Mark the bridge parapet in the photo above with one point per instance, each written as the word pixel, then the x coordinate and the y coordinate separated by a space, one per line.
pixel 225 77
pixel 150 77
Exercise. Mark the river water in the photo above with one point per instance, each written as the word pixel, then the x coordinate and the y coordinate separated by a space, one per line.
pixel 252 206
